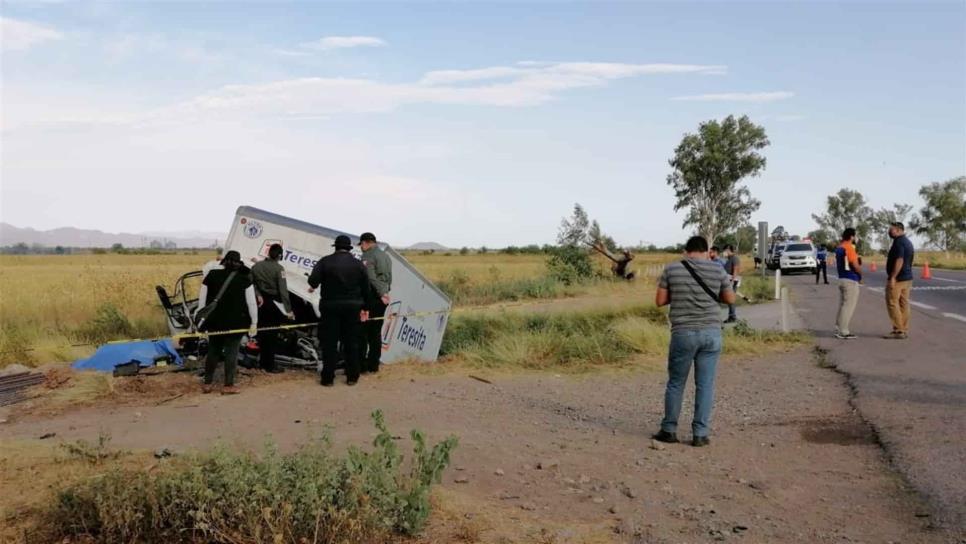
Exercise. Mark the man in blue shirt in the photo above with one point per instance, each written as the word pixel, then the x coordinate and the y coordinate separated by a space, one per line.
pixel 715 255
pixel 821 263
pixel 899 282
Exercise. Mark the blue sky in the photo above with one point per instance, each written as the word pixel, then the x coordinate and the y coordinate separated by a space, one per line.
pixel 463 123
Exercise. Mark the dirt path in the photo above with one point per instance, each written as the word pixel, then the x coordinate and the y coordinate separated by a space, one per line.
pixel 789 461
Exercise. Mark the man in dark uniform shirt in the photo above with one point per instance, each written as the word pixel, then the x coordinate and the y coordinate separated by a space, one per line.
pixel 274 305
pixel 344 296
pixel 379 267
pixel 899 282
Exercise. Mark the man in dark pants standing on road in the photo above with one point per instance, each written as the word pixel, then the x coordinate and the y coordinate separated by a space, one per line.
pixel 899 283
pixel 379 268
pixel 271 290
pixel 342 303
pixel 821 263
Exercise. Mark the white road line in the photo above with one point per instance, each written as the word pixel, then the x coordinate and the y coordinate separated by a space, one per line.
pixel 955 316
pixel 876 289
pixel 946 279
pixel 921 305
pixel 941 288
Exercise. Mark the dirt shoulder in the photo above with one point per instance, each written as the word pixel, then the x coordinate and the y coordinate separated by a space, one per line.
pixel 568 459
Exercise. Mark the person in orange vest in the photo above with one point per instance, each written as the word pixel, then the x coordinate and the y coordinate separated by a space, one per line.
pixel 849 268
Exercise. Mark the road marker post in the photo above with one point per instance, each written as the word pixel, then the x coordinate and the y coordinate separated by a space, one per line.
pixel 784 309
pixel 778 284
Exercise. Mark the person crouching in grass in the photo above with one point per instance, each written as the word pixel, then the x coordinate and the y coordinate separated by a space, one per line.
pixel 694 288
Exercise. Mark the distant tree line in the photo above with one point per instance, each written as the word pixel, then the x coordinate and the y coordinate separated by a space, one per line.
pixel 22 248
pixel 940 221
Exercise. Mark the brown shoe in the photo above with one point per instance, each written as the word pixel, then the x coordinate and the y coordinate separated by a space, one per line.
pixel 207 388
pixel 230 390
pixel 895 335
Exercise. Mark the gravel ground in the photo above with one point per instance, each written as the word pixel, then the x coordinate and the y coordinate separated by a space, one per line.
pixel 548 458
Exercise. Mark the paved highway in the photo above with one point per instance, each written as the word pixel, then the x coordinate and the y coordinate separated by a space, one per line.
pixel 912 392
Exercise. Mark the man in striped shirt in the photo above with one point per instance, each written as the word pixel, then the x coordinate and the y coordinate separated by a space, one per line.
pixel 694 288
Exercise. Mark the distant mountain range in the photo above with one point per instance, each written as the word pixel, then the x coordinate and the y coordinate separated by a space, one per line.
pixel 427 246
pixel 73 237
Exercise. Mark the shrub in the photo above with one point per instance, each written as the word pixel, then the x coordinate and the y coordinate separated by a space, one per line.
pixel 757 288
pixel 108 323
pixel 223 496
pixel 570 265
pixel 15 345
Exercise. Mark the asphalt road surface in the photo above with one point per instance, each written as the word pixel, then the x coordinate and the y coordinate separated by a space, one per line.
pixel 913 391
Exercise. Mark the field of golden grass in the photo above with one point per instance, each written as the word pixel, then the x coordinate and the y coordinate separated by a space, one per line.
pixel 47 302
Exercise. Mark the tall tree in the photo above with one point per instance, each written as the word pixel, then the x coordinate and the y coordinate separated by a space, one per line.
pixel 942 221
pixel 743 238
pixel 883 218
pixel 819 237
pixel 708 167
pixel 570 262
pixel 847 208
pixel 573 230
pixel 595 234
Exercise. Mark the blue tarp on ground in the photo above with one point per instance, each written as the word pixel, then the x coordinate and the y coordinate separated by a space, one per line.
pixel 145 352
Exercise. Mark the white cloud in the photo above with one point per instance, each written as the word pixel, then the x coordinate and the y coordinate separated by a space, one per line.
pixel 737 97
pixel 578 72
pixel 316 97
pixel 20 35
pixel 789 118
pixel 344 42
pixel 494 86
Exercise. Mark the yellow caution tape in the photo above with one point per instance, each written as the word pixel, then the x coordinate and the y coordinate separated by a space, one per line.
pixel 208 334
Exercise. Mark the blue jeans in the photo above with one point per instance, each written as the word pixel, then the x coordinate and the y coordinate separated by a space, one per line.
pixel 701 347
pixel 732 310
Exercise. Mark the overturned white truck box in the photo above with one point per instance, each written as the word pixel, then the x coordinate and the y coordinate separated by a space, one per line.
pixel 415 320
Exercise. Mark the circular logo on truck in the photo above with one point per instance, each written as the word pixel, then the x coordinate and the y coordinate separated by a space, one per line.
pixel 252 229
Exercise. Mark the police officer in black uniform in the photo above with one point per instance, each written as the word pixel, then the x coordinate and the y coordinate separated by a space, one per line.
pixel 345 295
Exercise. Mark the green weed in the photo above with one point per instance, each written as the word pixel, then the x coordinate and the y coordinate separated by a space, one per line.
pixel 224 496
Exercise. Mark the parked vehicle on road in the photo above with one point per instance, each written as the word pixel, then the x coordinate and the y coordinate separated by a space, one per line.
pixel 798 256
pixel 773 259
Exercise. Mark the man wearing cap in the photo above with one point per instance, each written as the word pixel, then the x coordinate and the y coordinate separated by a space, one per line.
pixel 274 305
pixel 229 296
pixel 344 295
pixel 379 268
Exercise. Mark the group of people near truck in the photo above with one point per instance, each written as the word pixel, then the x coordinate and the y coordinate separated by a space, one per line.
pixel 353 297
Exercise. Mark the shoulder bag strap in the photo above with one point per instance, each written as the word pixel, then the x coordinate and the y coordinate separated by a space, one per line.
pixel 698 279
pixel 224 287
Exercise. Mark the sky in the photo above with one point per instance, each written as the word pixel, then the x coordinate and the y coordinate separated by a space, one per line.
pixel 467 124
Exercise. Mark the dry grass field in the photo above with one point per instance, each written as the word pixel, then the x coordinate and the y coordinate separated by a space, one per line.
pixel 48 302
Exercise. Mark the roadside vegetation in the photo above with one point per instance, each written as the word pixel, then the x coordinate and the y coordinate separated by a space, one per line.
pixel 307 496
pixel 949 260
pixel 48 302
pixel 584 341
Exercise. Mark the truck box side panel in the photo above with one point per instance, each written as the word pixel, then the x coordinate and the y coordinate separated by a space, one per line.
pixel 418 313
